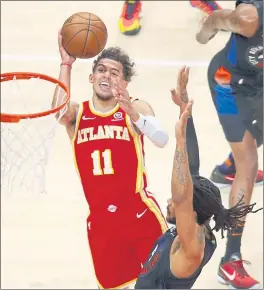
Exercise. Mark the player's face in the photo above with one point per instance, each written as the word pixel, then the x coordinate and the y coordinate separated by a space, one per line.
pixel 107 73
pixel 170 212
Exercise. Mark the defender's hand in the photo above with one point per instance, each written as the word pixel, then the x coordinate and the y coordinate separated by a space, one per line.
pixel 180 95
pixel 182 122
pixel 65 57
pixel 205 33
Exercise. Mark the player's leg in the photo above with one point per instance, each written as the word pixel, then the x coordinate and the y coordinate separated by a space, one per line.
pixel 148 228
pixel 246 158
pixel 224 174
pixel 206 7
pixel 129 21
pixel 116 267
pixel 235 114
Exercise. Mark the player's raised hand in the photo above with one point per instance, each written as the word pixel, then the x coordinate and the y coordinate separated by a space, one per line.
pixel 122 97
pixel 65 57
pixel 182 122
pixel 180 94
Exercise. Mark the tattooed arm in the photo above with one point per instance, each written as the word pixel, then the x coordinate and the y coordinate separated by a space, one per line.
pixel 181 182
pixel 181 99
pixel 188 249
pixel 189 245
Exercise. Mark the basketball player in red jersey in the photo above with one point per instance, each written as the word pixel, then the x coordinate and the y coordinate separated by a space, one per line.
pixel 107 137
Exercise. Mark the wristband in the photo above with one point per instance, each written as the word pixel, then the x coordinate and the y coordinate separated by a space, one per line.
pixel 66 63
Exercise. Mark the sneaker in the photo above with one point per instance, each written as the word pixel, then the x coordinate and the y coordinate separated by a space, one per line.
pixel 206 7
pixel 222 180
pixel 233 274
pixel 129 21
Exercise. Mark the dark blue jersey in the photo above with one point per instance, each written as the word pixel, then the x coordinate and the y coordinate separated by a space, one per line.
pixel 243 57
pixel 156 273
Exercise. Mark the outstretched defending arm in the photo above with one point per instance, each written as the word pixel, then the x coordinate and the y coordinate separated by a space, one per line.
pixel 189 251
pixel 180 98
pixel 191 240
pixel 244 20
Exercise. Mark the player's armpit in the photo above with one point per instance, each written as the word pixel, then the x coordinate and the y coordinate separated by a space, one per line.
pixel 68 119
pixel 191 235
pixel 187 251
pixel 136 129
pixel 183 263
pixel 244 20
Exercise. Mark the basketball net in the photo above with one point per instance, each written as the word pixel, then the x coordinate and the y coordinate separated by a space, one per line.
pixel 26 144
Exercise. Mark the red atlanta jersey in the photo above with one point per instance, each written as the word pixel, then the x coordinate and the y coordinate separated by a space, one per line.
pixel 109 156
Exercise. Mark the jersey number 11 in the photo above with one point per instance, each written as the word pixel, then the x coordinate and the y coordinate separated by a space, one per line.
pixel 107 160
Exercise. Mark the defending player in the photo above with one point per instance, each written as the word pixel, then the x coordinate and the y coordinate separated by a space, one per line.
pixel 129 21
pixel 178 257
pixel 235 77
pixel 107 137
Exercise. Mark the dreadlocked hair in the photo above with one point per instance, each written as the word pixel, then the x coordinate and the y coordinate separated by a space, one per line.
pixel 207 203
pixel 117 54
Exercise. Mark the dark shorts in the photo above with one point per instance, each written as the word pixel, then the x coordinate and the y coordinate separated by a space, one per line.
pixel 237 110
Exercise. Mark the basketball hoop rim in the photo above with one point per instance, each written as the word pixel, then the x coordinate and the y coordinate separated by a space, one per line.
pixel 15 118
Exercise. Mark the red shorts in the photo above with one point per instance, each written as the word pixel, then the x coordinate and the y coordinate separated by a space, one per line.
pixel 120 242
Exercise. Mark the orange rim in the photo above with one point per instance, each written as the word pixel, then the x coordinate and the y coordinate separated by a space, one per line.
pixel 15 118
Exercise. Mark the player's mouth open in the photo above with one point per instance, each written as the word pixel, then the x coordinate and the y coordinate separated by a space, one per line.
pixel 105 86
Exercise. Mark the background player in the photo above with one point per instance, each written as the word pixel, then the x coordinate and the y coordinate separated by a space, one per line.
pixel 129 21
pixel 235 78
pixel 106 134
pixel 205 6
pixel 177 258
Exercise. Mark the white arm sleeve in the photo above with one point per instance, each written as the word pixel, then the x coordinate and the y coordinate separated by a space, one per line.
pixel 152 128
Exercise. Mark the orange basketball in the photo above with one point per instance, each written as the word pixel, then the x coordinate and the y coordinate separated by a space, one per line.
pixel 84 35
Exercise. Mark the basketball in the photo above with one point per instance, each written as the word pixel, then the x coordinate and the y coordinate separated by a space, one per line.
pixel 84 35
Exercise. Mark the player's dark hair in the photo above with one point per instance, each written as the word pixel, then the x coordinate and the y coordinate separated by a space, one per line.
pixel 207 203
pixel 117 54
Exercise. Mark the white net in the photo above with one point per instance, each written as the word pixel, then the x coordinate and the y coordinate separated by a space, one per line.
pixel 25 145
